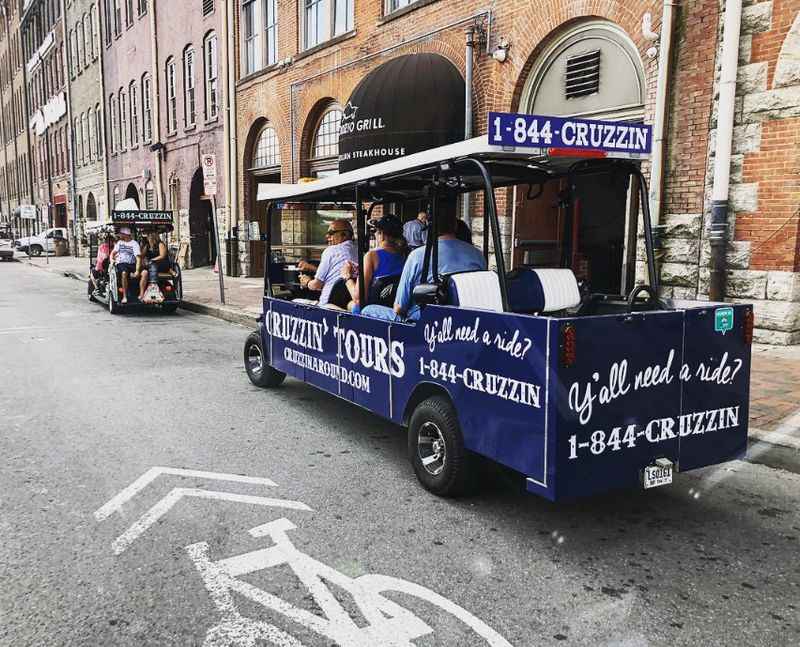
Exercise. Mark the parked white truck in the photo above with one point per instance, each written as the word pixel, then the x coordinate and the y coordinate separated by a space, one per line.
pixel 45 240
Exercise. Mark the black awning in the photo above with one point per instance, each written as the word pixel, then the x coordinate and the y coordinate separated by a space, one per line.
pixel 409 104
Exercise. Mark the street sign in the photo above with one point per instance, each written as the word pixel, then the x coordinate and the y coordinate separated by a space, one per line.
pixel 540 131
pixel 209 164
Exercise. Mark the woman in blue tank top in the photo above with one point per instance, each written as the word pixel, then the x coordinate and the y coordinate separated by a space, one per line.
pixel 382 265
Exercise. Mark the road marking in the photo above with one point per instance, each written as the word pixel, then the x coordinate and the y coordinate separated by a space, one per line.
pixel 388 623
pixel 121 543
pixel 116 503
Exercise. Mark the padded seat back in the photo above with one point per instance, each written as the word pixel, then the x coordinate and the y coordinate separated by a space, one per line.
pixel 543 290
pixel 480 290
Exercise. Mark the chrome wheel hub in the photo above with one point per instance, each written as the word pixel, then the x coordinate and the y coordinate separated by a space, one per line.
pixel 255 360
pixel 431 448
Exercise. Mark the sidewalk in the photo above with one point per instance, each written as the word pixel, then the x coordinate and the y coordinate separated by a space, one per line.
pixel 774 383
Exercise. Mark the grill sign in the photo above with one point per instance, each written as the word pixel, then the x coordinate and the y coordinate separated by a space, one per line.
pixel 539 131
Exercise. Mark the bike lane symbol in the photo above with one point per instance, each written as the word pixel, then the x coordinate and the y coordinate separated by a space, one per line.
pixel 388 623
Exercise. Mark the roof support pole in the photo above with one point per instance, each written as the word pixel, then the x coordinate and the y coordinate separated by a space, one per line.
pixel 361 228
pixel 718 236
pixel 268 253
pixel 468 74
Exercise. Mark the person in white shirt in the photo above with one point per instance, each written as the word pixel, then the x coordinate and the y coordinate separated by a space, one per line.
pixel 127 256
pixel 341 249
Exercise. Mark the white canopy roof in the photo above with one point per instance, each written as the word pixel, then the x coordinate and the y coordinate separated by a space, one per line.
pixel 478 147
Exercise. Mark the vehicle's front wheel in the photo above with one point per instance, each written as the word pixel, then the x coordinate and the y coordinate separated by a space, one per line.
pixel 436 449
pixel 35 250
pixel 258 370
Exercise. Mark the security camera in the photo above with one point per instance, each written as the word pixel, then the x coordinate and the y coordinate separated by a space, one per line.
pixel 500 53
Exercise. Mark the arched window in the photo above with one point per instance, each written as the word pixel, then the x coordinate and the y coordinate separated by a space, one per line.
pixel 147 110
pixel 266 153
pixel 98 131
pixel 123 120
pixel 92 134
pixel 189 98
pixel 172 96
pixel 133 97
pixel 211 64
pixel 326 139
pixel 85 153
pixel 73 61
pixel 88 40
pixel 91 207
pixel 95 26
pixel 83 59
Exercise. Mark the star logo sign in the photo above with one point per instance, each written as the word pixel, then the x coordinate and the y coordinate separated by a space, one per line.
pixel 349 112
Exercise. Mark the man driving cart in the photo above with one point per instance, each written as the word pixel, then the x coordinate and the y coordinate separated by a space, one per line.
pixel 127 259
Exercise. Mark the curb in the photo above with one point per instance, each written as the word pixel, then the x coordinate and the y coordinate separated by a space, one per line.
pixel 226 313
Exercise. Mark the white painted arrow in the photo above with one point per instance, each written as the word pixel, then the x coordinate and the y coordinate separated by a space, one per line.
pixel 163 506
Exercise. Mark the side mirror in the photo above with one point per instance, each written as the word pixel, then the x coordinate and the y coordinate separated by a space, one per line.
pixel 425 294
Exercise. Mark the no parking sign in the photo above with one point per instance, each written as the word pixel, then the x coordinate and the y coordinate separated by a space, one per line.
pixel 209 164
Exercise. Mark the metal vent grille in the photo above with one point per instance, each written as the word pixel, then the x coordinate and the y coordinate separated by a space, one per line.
pixel 583 75
pixel 208 7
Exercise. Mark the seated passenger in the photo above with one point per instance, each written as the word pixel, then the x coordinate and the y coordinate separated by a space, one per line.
pixel 100 268
pixel 381 264
pixel 341 249
pixel 454 256
pixel 416 231
pixel 127 256
pixel 156 256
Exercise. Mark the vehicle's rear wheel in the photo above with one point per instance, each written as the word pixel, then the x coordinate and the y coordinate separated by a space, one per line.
pixel 90 291
pixel 169 308
pixel 113 306
pixel 436 449
pixel 35 250
pixel 258 370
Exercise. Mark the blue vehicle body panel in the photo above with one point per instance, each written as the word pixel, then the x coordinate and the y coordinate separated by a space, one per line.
pixel 631 396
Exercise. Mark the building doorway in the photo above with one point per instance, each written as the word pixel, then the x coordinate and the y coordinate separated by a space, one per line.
pixel 201 242
pixel 91 208
pixel 264 168
pixel 593 70
pixel 133 193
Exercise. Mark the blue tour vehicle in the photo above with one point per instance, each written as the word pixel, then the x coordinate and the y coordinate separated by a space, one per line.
pixel 106 287
pixel 581 386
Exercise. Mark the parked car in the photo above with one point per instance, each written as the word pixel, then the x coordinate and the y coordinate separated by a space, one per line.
pixel 6 249
pixel 36 245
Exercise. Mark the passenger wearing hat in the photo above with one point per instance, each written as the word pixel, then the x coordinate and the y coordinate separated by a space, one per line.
pixel 382 265
pixel 127 255
pixel 341 249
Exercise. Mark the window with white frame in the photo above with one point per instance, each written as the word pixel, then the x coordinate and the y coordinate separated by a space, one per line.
pixel 142 7
pixel 271 31
pixel 266 153
pixel 211 73
pixel 76 142
pixel 172 97
pixel 94 19
pixel 88 30
pixel 123 120
pixel 98 131
pixel 324 153
pixel 90 124
pixel 133 98
pixel 109 20
pixel 117 17
pixel 391 6
pixel 252 56
pixel 112 115
pixel 80 32
pixel 189 98
pixel 324 19
pixel 85 156
pixel 128 12
pixel 147 110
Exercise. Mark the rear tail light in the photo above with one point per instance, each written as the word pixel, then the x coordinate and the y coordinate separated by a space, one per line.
pixel 121 291
pixel 568 347
pixel 749 320
pixel 168 288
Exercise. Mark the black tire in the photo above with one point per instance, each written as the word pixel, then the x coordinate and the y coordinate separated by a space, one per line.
pixel 255 363
pixel 434 433
pixel 169 308
pixel 35 250
pixel 90 291
pixel 113 307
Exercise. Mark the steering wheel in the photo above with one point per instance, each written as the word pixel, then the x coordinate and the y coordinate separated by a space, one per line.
pixel 653 301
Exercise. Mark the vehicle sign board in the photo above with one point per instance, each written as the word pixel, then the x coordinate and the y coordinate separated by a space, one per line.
pixel 542 131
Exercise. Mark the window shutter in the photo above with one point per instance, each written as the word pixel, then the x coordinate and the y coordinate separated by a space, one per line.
pixel 208 7
pixel 583 75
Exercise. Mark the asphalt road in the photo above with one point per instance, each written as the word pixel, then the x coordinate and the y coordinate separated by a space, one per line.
pixel 89 403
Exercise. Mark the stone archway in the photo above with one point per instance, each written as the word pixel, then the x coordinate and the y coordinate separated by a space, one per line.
pixel 91 208
pixel 133 193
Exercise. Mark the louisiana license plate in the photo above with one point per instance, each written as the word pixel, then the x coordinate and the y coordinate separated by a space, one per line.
pixel 656 475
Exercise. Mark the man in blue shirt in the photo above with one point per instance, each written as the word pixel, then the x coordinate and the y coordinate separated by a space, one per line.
pixel 454 256
pixel 416 231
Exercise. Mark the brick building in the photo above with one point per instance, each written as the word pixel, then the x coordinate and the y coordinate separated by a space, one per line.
pixel 42 38
pixel 298 63
pixel 163 105
pixel 15 172
pixel 82 20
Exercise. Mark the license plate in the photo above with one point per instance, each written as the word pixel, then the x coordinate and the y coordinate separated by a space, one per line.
pixel 658 474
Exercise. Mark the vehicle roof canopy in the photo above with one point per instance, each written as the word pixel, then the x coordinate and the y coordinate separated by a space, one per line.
pixel 409 177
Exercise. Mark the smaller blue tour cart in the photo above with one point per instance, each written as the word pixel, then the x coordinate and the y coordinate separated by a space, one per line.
pixel 581 384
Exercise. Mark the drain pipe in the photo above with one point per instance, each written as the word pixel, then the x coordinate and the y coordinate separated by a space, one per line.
pixel 722 161
pixel 155 87
pixel 468 60
pixel 662 92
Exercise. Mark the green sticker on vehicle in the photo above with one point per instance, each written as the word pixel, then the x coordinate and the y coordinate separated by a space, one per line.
pixel 723 320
